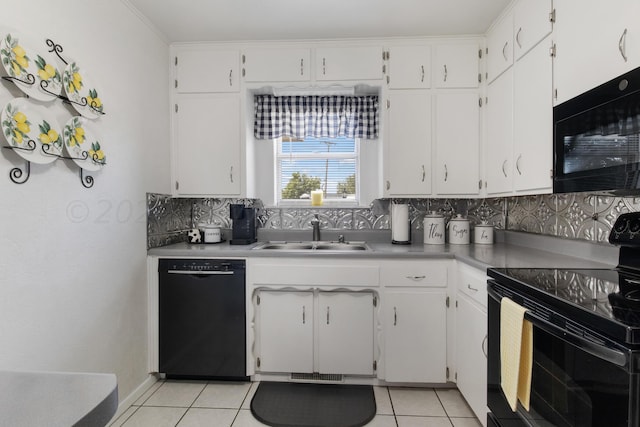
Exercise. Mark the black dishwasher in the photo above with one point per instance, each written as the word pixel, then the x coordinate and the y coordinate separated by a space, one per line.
pixel 202 331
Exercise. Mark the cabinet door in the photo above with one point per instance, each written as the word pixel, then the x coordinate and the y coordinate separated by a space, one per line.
pixel 208 144
pixel 415 336
pixel 409 144
pixel 345 333
pixel 498 160
pixel 531 24
pixel 471 354
pixel 457 143
pixel 456 65
pixel 500 47
pixel 285 331
pixel 349 63
pixel 592 40
pixel 207 70
pixel 410 67
pixel 533 121
pixel 276 65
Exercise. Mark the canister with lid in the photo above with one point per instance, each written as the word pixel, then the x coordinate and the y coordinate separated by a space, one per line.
pixel 459 230
pixel 434 229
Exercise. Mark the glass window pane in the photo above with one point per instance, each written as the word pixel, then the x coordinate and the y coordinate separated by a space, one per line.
pixel 329 165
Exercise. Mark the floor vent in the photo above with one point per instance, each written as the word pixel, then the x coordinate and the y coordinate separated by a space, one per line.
pixel 334 378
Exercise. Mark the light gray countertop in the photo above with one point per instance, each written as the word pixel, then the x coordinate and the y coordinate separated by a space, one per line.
pixel 510 250
pixel 57 399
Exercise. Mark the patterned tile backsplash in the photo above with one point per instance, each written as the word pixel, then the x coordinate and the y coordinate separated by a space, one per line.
pixel 584 216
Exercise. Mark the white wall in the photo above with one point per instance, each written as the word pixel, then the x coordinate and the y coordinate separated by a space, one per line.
pixel 73 260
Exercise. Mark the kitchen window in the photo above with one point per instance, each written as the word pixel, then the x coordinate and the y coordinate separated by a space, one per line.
pixel 320 143
pixel 329 165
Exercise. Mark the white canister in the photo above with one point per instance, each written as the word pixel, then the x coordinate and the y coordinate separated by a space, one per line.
pixel 459 230
pixel 483 234
pixel 433 229
pixel 212 234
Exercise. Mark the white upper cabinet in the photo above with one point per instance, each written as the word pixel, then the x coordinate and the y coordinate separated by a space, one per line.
pixel 207 70
pixel 532 22
pixel 500 47
pixel 457 125
pixel 456 65
pixel 408 144
pixel 499 145
pixel 349 63
pixel 207 129
pixel 596 41
pixel 409 67
pixel 533 121
pixel 276 65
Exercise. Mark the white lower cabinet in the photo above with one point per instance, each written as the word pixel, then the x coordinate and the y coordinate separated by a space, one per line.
pixel 471 339
pixel 414 321
pixel 415 336
pixel 345 333
pixel 329 332
pixel 285 322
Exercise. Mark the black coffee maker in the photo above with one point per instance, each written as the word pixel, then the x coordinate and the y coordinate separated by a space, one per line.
pixel 244 228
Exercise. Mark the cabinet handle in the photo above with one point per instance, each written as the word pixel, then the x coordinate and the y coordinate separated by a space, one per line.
pixel 230 77
pixel 302 66
pixel 304 315
pixel 446 172
pixel 324 66
pixel 622 45
pixel 483 345
pixel 518 164
pixel 504 164
pixel 388 185
pixel 445 72
pixel 504 49
pixel 416 278
pixel 518 37
pixel 395 317
pixel 231 174
pixel 422 75
pixel 424 173
pixel 327 315
pixel 472 288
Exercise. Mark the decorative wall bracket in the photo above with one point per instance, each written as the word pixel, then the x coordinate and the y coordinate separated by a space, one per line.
pixel 16 174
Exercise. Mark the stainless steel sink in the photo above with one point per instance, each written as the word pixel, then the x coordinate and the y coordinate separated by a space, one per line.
pixel 313 246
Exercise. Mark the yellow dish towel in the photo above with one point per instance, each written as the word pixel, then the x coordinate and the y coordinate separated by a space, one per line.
pixel 516 353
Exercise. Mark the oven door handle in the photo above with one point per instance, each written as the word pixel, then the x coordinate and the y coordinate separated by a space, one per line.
pixel 600 351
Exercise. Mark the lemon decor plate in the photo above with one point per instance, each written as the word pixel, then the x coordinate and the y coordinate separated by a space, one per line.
pixel 84 144
pixel 24 121
pixel 26 64
pixel 80 89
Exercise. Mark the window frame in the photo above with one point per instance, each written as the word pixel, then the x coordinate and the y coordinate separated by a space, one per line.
pixel 334 202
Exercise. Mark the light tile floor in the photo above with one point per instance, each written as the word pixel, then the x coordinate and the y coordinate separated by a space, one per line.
pixel 226 404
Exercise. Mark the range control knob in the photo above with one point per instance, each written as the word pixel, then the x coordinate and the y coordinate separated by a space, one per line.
pixel 620 225
pixel 634 225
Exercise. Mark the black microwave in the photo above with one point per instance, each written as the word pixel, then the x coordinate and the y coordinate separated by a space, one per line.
pixel 597 139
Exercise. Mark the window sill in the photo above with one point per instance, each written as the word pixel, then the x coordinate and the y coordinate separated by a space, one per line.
pixel 306 204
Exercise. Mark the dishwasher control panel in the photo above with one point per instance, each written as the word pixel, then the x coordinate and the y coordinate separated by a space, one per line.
pixel 198 265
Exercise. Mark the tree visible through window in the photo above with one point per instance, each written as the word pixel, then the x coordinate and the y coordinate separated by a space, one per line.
pixel 327 164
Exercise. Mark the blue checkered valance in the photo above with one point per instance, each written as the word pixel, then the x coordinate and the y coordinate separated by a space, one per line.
pixel 316 116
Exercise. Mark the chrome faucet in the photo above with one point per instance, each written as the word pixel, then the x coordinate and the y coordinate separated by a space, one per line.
pixel 315 223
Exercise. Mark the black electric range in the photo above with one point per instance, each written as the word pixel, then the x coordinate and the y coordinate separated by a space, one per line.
pixel 586 346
